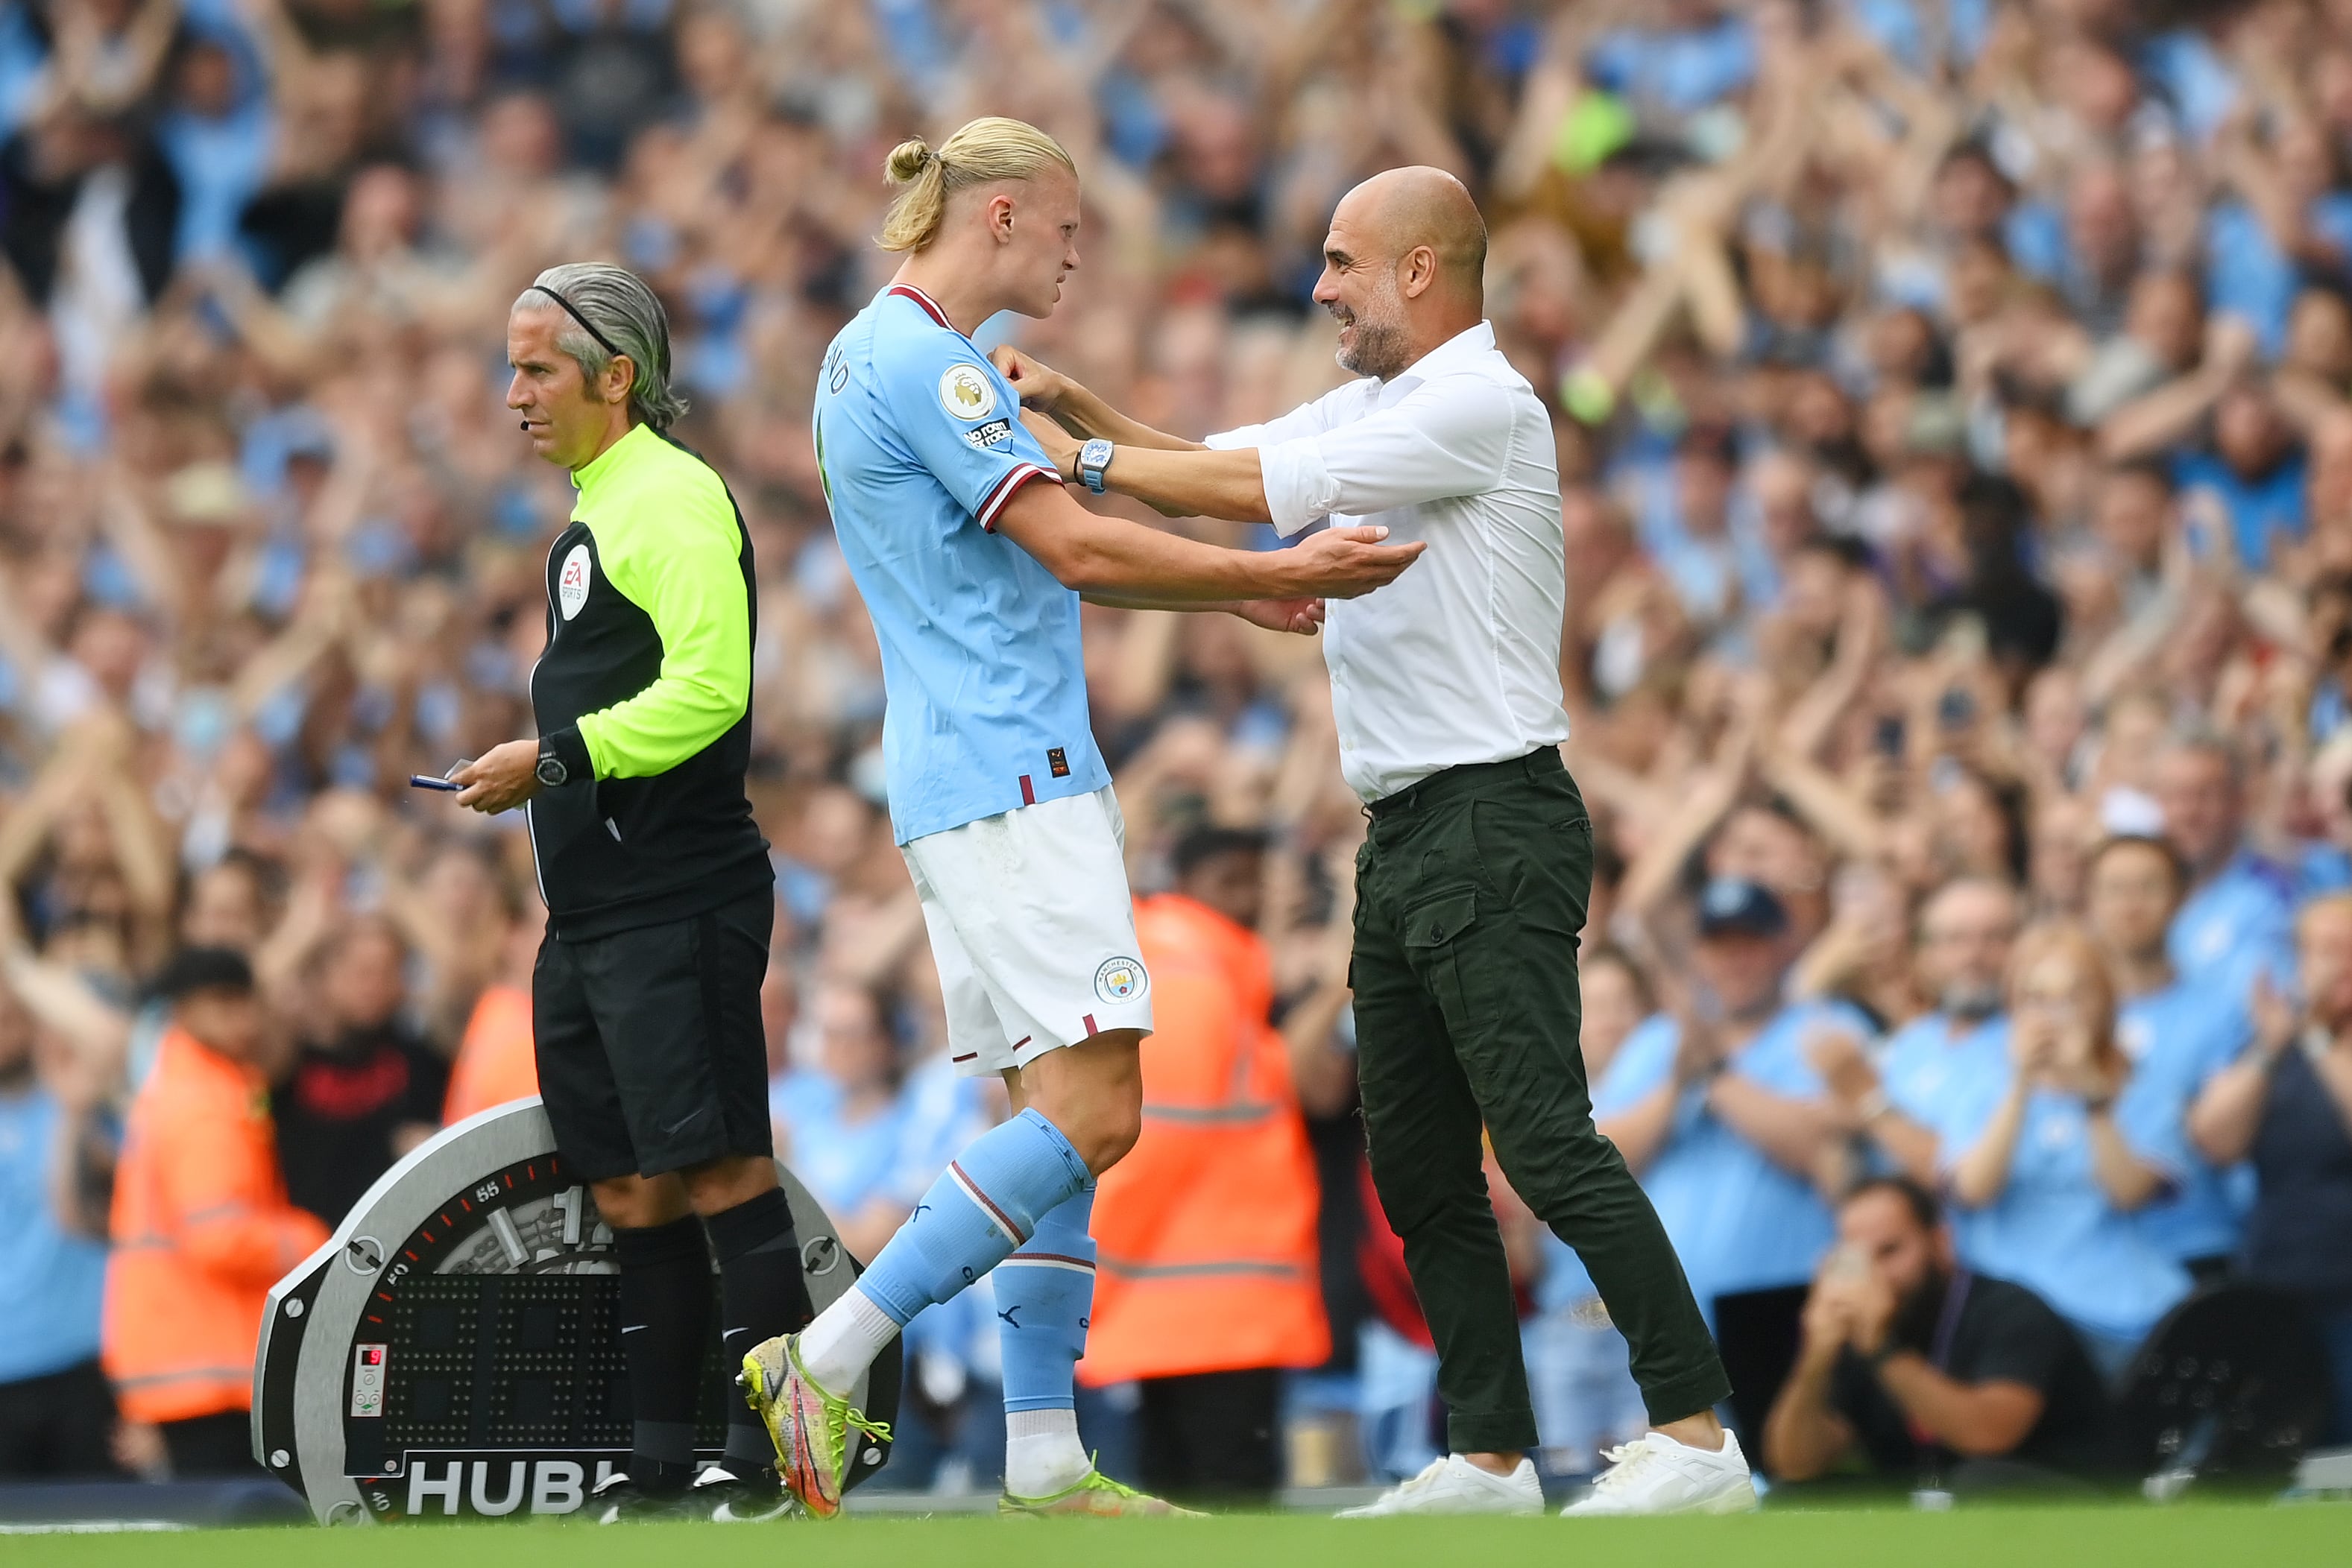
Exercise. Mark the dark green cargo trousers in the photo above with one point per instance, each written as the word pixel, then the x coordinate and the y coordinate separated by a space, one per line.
pixel 1470 892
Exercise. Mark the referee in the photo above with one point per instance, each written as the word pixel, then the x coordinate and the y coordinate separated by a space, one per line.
pixel 1470 888
pixel 644 1001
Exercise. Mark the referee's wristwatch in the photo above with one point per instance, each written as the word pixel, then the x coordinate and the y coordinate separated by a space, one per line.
pixel 550 772
pixel 1093 458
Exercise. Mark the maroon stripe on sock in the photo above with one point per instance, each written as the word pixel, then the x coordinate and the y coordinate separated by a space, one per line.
pixel 967 1056
pixel 987 1202
pixel 1050 1258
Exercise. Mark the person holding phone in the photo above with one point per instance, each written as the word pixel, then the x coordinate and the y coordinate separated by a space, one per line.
pixel 646 996
pixel 1913 1367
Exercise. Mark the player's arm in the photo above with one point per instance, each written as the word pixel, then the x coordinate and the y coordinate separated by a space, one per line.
pixel 1115 559
pixel 1078 410
pixel 1228 483
pixel 1302 616
pixel 1446 438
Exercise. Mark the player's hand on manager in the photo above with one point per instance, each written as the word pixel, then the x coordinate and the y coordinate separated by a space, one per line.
pixel 1348 563
pixel 1302 617
pixel 500 778
pixel 1040 385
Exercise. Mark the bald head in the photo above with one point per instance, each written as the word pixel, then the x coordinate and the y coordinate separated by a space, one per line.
pixel 1405 268
pixel 1427 207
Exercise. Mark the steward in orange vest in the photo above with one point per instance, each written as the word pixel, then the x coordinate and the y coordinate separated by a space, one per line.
pixel 201 1227
pixel 497 1059
pixel 1206 1280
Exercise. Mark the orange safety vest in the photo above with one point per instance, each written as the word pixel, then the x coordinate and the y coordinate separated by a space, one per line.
pixel 1205 1232
pixel 201 1228
pixel 496 1061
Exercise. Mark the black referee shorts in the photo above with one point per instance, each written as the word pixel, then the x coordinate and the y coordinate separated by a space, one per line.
pixel 651 1057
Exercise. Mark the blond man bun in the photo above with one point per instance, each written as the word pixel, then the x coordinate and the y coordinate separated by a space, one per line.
pixel 981 153
pixel 906 160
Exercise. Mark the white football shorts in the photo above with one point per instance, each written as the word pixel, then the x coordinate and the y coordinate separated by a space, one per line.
pixel 1033 930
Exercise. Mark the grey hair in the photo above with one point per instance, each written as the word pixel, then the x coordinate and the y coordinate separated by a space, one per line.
pixel 618 304
pixel 2201 736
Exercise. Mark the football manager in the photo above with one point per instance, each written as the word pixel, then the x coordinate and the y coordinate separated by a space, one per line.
pixel 644 1000
pixel 1472 886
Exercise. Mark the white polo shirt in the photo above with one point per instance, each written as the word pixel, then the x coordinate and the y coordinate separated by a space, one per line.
pixel 1457 661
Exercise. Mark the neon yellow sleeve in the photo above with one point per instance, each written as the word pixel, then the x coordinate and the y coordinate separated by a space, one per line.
pixel 678 557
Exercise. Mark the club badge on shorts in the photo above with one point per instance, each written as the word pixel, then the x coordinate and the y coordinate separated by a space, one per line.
pixel 1122 980
pixel 964 393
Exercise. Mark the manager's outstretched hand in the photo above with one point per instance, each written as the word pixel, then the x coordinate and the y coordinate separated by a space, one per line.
pixel 1348 563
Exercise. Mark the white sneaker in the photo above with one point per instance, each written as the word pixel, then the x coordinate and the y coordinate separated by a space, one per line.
pixel 1454 1485
pixel 1658 1475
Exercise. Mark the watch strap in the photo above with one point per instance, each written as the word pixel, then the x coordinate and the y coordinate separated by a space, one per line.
pixel 1094 456
pixel 569 748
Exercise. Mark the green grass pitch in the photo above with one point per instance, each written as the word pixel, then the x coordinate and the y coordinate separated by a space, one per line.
pixel 2194 1535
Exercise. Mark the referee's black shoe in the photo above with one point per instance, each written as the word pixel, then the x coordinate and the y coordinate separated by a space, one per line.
pixel 724 1496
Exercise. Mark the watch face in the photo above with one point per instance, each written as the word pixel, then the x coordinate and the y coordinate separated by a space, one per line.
pixel 550 772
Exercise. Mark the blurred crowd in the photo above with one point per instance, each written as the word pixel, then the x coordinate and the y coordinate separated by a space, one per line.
pixel 1951 402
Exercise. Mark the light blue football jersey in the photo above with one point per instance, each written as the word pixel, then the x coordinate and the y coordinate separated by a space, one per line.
pixel 921 445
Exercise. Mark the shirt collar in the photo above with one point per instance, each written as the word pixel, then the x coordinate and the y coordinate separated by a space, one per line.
pixel 602 467
pixel 1452 354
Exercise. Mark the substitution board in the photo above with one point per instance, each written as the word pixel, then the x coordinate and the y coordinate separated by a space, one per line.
pixel 455 1349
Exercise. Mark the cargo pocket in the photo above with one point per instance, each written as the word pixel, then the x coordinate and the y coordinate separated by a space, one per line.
pixel 1434 930
pixel 1436 921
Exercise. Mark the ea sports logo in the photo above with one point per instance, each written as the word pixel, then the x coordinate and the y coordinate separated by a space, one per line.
pixel 966 393
pixel 1122 980
pixel 571 582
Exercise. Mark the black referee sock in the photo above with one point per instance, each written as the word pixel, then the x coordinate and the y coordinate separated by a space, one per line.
pixel 665 1312
pixel 762 1294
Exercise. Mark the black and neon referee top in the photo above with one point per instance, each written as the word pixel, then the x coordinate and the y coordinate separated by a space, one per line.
pixel 645 692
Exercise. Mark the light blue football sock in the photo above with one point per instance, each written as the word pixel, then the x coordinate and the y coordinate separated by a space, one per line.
pixel 1044 1293
pixel 987 1202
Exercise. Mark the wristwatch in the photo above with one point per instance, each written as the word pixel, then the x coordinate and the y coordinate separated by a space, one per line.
pixel 1093 458
pixel 551 771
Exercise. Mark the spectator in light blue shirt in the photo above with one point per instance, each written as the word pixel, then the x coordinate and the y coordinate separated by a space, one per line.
pixel 838 1122
pixel 218 134
pixel 1720 1112
pixel 2177 1036
pixel 1683 514
pixel 2254 469
pixel 2239 915
pixel 2058 1161
pixel 2290 221
pixel 1690 55
pixel 56 1413
pixel 1961 959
